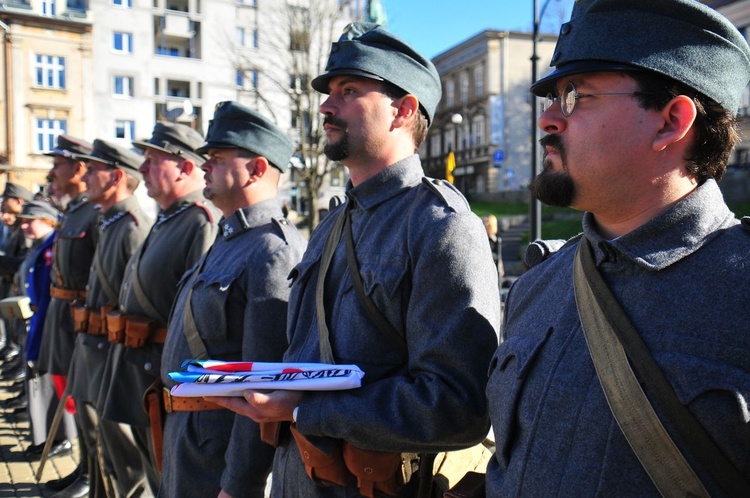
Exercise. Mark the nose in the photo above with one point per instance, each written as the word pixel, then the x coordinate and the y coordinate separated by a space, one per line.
pixel 326 107
pixel 552 120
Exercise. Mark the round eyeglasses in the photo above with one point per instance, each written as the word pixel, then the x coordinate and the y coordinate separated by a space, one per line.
pixel 570 94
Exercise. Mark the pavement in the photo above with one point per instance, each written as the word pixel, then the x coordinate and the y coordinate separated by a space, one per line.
pixel 16 472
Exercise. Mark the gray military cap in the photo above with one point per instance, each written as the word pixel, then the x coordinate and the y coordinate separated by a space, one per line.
pixel 34 210
pixel 368 50
pixel 17 192
pixel 116 155
pixel 70 147
pixel 174 138
pixel 682 39
pixel 235 126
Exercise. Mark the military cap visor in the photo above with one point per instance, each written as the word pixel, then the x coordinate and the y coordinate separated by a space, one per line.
pixel 175 139
pixel 235 126
pixel 681 39
pixel 35 210
pixel 70 147
pixel 368 50
pixel 547 84
pixel 16 191
pixel 116 156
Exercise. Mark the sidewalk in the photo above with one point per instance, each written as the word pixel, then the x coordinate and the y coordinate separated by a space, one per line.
pixel 16 472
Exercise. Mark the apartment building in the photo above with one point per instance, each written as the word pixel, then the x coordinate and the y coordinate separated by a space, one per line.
pixel 485 114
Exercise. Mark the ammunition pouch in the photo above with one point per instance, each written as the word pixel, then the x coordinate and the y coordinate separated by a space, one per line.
pixel 116 322
pixel 137 331
pixel 80 318
pixel 346 465
pixel 96 325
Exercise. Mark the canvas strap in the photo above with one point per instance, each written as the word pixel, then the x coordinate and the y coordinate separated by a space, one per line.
pixel 612 341
pixel 190 329
pixel 140 294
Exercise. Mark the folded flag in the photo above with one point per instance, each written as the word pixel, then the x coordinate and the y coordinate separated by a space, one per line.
pixel 231 378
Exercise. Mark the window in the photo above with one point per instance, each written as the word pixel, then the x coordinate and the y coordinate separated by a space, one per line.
pixel 448 140
pixel 123 86
pixel 240 38
pixel 435 145
pixel 48 7
pixel 46 132
pixel 464 87
pixel 250 3
pixel 478 131
pixel 50 71
pixel 123 42
pixel 255 38
pixel 123 3
pixel 125 129
pixel 479 80
pixel 299 82
pixel 247 80
pixel 170 51
pixel 450 90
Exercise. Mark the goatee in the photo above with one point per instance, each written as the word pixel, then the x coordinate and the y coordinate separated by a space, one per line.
pixel 554 188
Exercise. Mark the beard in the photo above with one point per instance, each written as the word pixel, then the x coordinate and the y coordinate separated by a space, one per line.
pixel 554 188
pixel 337 151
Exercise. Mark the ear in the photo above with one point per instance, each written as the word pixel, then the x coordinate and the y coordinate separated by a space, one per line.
pixel 117 176
pixel 80 169
pixel 187 167
pixel 678 118
pixel 258 167
pixel 407 108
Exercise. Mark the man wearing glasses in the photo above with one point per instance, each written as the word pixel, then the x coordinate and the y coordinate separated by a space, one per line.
pixel 640 126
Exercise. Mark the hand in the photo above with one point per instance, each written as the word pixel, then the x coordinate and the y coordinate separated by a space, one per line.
pixel 273 406
pixel 224 494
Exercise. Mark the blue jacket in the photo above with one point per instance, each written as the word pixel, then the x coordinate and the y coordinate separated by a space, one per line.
pixel 37 288
pixel 684 280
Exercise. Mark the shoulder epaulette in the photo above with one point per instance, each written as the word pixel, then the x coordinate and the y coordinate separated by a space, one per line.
pixel 746 222
pixel 204 207
pixel 446 192
pixel 284 227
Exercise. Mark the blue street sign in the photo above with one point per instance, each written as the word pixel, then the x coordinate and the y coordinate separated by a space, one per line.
pixel 497 157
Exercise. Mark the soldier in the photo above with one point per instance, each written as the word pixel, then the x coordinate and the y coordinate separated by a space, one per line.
pixel 237 297
pixel 184 230
pixel 111 179
pixel 625 363
pixel 13 253
pixel 73 252
pixel 421 320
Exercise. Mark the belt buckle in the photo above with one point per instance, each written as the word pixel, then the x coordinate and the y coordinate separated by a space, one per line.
pixel 167 400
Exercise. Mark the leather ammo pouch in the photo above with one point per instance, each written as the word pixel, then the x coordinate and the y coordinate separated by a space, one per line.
pixel 138 330
pixel 80 318
pixel 375 470
pixel 348 465
pixel 116 321
pixel 323 469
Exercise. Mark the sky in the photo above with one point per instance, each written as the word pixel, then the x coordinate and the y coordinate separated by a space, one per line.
pixel 433 26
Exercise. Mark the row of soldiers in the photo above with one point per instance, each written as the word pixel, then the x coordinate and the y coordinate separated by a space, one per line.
pixel 116 274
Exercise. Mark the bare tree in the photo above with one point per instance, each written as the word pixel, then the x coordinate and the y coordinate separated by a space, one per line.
pixel 296 39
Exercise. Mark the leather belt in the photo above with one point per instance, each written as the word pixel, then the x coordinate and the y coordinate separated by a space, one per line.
pixel 159 336
pixel 186 404
pixel 67 294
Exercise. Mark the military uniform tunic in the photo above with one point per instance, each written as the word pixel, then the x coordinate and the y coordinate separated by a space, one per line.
pixel 683 279
pixel 177 240
pixel 425 262
pixel 239 303
pixel 73 252
pixel 123 228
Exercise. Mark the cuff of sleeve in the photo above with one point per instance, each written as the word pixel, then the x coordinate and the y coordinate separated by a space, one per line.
pixel 294 414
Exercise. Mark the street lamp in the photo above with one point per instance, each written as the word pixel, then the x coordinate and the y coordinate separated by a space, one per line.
pixel 457 119
pixel 535 207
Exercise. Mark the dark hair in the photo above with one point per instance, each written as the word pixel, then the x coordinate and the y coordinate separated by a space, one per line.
pixel 715 127
pixel 420 127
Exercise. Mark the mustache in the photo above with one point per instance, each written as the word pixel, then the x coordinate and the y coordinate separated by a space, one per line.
pixel 554 141
pixel 334 121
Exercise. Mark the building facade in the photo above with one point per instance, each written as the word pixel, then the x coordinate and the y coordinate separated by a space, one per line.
pixel 485 114
pixel 111 68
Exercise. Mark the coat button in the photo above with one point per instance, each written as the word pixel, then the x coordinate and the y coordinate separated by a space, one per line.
pixel 148 366
pixel 565 28
pixel 556 56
